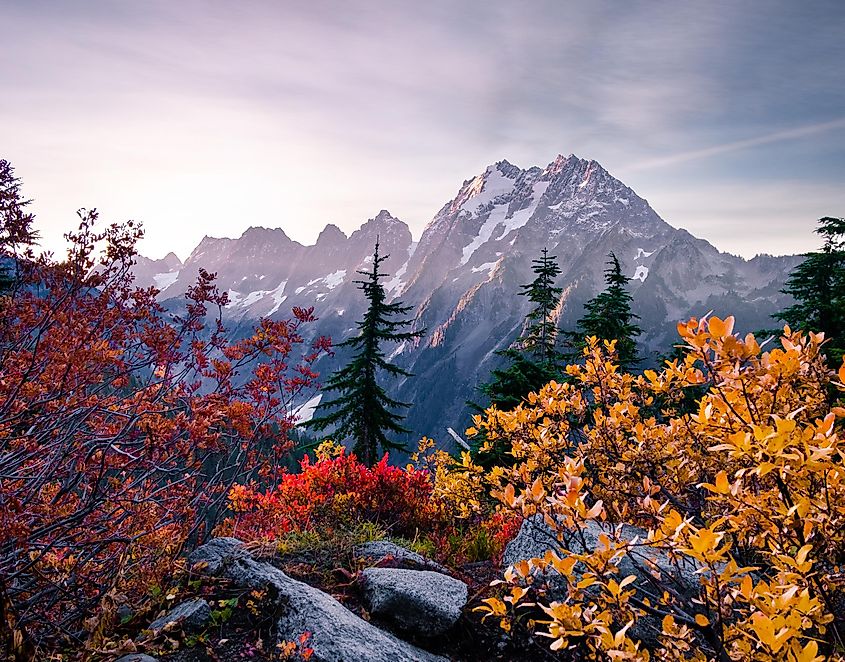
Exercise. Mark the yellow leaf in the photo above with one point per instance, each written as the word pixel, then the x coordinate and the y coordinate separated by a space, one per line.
pixel 537 490
pixel 630 579
pixel 564 566
pixel 746 587
pixel 595 511
pixel 809 653
pixel 801 556
pixel 702 620
pixel 808 528
pixel 509 496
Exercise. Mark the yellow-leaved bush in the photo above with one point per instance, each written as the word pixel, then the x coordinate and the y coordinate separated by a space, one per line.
pixel 730 464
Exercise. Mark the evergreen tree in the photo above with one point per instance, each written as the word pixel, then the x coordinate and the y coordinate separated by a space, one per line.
pixel 608 316
pixel 15 224
pixel 534 360
pixel 818 286
pixel 362 410
pixel 541 336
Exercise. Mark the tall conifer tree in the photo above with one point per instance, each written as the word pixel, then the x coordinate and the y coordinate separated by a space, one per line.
pixel 540 339
pixel 16 233
pixel 818 286
pixel 363 411
pixel 608 316
pixel 534 360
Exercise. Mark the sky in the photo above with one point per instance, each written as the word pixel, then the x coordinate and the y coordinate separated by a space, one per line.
pixel 205 118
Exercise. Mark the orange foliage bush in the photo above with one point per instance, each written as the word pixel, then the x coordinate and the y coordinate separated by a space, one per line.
pixel 122 429
pixel 747 492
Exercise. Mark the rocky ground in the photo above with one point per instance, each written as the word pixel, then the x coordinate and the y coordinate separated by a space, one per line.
pixel 389 603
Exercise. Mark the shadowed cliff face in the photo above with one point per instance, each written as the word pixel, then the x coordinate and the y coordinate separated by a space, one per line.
pixel 463 275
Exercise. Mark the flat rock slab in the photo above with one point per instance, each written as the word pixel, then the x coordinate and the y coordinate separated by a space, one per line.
pixel 337 635
pixel 419 602
pixel 378 551
pixel 191 616
pixel 136 657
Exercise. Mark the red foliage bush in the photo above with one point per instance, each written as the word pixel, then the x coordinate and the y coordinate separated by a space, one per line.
pixel 122 429
pixel 334 491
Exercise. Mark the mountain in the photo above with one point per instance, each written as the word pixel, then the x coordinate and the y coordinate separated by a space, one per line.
pixel 463 275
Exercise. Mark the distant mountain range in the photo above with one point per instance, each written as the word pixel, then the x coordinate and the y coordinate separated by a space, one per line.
pixel 463 275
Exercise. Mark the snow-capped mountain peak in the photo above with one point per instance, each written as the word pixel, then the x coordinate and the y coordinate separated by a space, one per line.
pixel 462 276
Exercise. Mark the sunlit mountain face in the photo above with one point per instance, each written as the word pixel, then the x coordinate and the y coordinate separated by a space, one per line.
pixel 463 275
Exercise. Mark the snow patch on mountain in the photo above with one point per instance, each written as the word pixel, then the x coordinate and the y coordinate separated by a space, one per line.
pixel 234 298
pixel 396 283
pixel 640 274
pixel 252 298
pixel 335 278
pixel 643 253
pixel 486 188
pixel 497 215
pixel 487 266
pixel 396 352
pixel 279 296
pixel 305 412
pixel 165 280
pixel 522 216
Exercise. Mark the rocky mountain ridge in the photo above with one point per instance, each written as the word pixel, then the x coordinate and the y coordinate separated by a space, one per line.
pixel 463 274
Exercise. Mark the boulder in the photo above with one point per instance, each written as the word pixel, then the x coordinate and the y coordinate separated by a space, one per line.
pixel 647 564
pixel 379 551
pixel 650 566
pixel 337 635
pixel 418 602
pixel 191 616
pixel 216 552
pixel 136 657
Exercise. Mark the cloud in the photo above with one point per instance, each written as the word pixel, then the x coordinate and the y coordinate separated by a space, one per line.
pixel 213 116
pixel 747 218
pixel 736 145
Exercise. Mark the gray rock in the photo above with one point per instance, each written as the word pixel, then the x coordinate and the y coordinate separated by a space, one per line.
pixel 419 602
pixel 136 657
pixel 379 550
pixel 533 540
pixel 647 564
pixel 650 566
pixel 124 613
pixel 191 616
pixel 337 635
pixel 216 551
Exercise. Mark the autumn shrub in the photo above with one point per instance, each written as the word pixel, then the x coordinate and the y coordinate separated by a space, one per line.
pixel 334 491
pixel 122 428
pixel 747 492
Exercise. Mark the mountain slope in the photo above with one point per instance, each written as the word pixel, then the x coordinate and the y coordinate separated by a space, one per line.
pixel 463 275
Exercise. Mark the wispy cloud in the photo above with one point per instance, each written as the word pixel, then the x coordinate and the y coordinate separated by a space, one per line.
pixel 210 117
pixel 736 145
